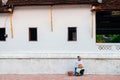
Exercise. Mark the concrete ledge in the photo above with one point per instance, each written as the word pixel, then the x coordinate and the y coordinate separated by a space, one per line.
pixel 56 55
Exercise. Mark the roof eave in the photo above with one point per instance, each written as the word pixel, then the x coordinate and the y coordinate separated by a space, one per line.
pixel 47 3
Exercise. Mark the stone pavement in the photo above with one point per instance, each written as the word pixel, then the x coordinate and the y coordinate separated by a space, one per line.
pixel 59 77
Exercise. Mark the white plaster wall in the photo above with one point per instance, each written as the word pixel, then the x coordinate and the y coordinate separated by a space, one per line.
pixel 64 16
pixel 39 16
pixel 19 56
pixel 57 63
pixel 57 66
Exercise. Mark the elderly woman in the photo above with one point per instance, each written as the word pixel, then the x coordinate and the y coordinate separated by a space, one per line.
pixel 79 69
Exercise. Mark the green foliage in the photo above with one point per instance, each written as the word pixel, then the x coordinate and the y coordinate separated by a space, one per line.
pixel 99 39
pixel 113 38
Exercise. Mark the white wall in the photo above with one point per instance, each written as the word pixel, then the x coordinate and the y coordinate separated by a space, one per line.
pixel 63 17
pixel 52 63
pixel 30 57
pixel 39 16
pixel 57 66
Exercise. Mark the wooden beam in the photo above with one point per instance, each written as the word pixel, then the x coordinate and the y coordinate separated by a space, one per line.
pixel 51 17
pixel 92 26
pixel 11 25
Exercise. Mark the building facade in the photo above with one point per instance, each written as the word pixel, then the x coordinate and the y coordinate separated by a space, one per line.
pixel 45 37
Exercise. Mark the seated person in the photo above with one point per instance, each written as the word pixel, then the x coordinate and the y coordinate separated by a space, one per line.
pixel 79 69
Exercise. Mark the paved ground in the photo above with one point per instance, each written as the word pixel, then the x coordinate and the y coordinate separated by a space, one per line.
pixel 59 77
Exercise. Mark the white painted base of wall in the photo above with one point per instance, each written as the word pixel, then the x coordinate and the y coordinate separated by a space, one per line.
pixel 56 63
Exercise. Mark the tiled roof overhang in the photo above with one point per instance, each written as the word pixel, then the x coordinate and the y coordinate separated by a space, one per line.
pixel 46 2
pixel 104 6
pixel 108 5
pixel 14 3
